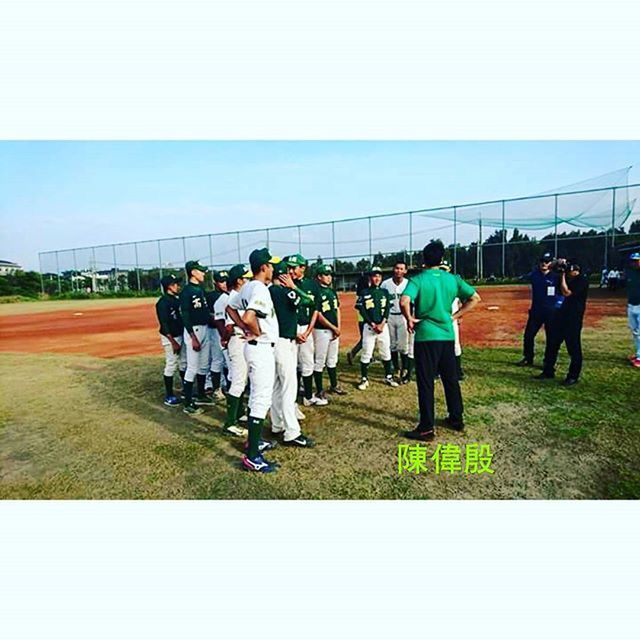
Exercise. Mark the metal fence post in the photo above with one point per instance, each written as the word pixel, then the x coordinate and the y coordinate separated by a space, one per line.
pixel 238 245
pixel 613 218
pixel 58 272
pixel 160 259
pixel 135 248
pixel 267 230
pixel 410 240
pixel 299 240
pixel 555 225
pixel 115 266
pixel 455 239
pixel 210 252
pixel 74 284
pixel 370 245
pixel 504 243
pixel 184 250
pixel 41 276
pixel 333 243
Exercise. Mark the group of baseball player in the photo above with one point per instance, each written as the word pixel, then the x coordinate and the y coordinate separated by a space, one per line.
pixel 265 334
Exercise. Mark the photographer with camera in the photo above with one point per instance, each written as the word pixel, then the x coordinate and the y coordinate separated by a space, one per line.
pixel 567 324
pixel 545 301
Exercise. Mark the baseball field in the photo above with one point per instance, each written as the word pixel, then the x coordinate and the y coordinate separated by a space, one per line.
pixel 82 415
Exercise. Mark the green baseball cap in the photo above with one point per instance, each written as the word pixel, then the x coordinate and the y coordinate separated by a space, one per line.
pixel 193 265
pixel 324 270
pixel 281 268
pixel 239 271
pixel 220 276
pixel 375 269
pixel 295 260
pixel 258 257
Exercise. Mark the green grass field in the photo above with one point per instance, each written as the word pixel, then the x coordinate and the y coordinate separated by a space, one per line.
pixel 77 427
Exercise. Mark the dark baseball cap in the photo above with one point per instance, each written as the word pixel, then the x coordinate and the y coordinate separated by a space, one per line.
pixel 324 270
pixel 258 257
pixel 295 260
pixel 194 264
pixel 220 276
pixel 546 257
pixel 239 271
pixel 167 281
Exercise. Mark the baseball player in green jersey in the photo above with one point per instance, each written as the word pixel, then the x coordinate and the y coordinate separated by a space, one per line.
pixel 233 341
pixel 307 316
pixel 374 304
pixel 326 334
pixel 171 331
pixel 195 316
pixel 216 357
pixel 286 299
pixel 256 316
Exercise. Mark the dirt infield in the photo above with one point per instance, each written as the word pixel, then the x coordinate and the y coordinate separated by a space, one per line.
pixel 117 328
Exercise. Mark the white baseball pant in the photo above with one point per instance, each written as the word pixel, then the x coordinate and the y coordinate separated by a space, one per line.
pixel 197 361
pixel 238 372
pixel 173 361
pixel 326 349
pixel 633 315
pixel 216 357
pixel 398 333
pixel 305 352
pixel 371 340
pixel 261 365
pixel 285 390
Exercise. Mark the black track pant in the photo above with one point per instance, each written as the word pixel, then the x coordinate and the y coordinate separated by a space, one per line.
pixel 535 321
pixel 569 331
pixel 432 358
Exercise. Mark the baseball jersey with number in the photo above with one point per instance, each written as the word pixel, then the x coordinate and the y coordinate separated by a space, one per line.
pixel 255 296
pixel 286 302
pixel 327 303
pixel 220 307
pixel 168 312
pixel 193 307
pixel 306 308
pixel 395 293
pixel 374 305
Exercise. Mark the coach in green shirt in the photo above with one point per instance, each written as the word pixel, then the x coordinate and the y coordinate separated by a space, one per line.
pixel 432 293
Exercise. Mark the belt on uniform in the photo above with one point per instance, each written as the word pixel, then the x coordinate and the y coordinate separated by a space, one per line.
pixel 255 343
pixel 392 313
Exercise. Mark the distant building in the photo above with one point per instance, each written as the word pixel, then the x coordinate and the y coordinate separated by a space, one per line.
pixel 8 268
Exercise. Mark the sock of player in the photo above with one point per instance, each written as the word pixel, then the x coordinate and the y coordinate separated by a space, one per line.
pixel 388 368
pixel 201 381
pixel 255 431
pixel 182 372
pixel 215 380
pixel 459 366
pixel 317 376
pixel 307 381
pixel 168 385
pixel 409 367
pixel 333 376
pixel 404 359
pixel 394 359
pixel 233 404
pixel 187 390
pixel 364 369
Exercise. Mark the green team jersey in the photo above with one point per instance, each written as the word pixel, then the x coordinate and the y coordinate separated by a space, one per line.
pixel 193 306
pixel 633 286
pixel 327 304
pixel 168 312
pixel 286 303
pixel 374 304
pixel 433 292
pixel 306 307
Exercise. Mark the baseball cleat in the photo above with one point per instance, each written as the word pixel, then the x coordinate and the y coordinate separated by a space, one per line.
pixel 218 394
pixel 202 400
pixel 192 410
pixel 636 363
pixel 419 434
pixel 299 414
pixel 524 363
pixel 301 441
pixel 569 382
pixel 390 381
pixel 338 391
pixel 265 445
pixel 171 401
pixel 320 399
pixel 309 402
pixel 405 380
pixel 257 464
pixel 364 384
pixel 632 357
pixel 243 418
pixel 456 426
pixel 235 430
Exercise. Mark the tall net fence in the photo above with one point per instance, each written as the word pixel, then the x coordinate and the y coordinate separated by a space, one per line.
pixel 485 241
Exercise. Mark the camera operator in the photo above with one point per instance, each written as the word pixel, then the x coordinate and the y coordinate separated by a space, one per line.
pixel 545 300
pixel 567 324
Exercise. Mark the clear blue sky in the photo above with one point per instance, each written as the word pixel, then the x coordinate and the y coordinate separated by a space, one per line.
pixel 56 195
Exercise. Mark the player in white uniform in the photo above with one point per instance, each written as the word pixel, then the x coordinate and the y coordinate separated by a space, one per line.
pixel 397 324
pixel 257 318
pixel 217 363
